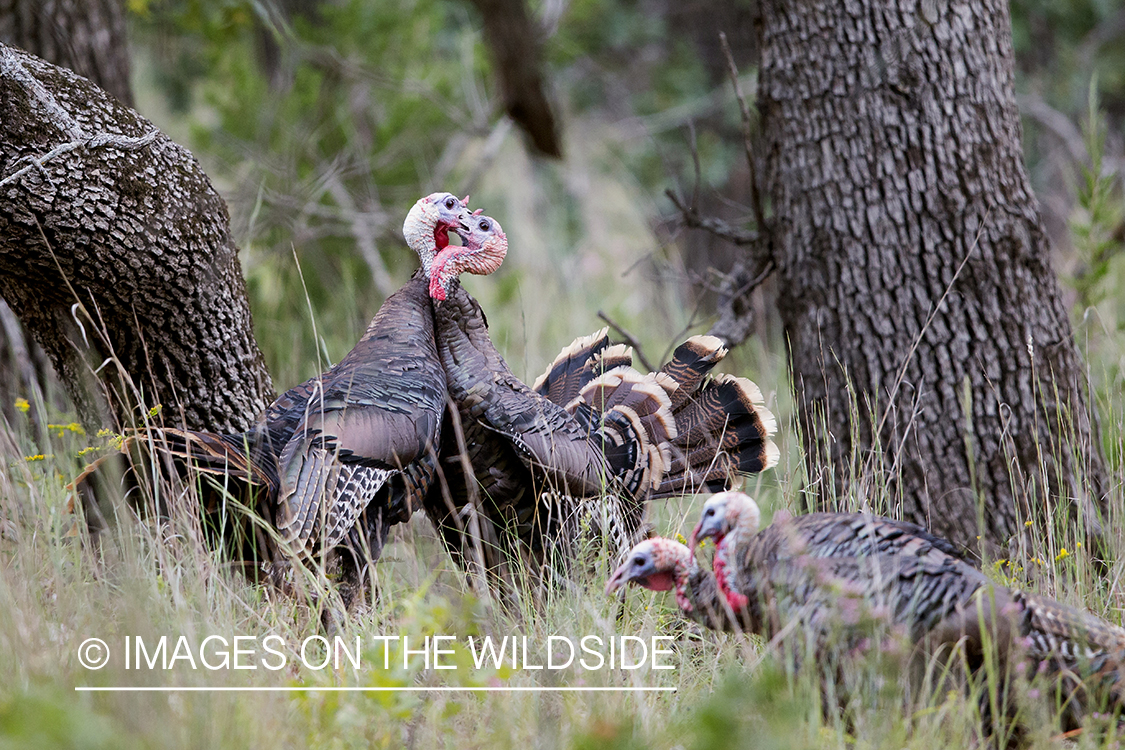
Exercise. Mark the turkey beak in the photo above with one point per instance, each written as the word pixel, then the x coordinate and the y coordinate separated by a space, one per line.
pixel 708 527
pixel 462 231
pixel 623 575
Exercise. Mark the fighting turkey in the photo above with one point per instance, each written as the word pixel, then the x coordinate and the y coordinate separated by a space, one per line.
pixel 339 458
pixel 525 469
pixel 832 584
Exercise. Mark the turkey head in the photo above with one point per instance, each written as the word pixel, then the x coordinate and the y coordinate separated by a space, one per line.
pixel 483 252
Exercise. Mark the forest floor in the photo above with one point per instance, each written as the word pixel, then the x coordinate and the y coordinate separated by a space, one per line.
pixel 151 582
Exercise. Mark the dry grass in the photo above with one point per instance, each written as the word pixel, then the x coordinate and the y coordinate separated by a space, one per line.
pixel 151 580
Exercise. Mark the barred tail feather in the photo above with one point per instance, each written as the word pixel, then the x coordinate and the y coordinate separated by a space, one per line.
pixel 564 377
pixel 690 363
pixel 723 429
pixel 636 424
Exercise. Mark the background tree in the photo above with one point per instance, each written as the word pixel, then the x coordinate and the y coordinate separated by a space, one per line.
pixel 90 39
pixel 931 351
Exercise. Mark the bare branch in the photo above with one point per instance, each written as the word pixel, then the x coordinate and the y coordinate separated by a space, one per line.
pixel 736 316
pixel 630 339
pixel 123 142
pixel 717 227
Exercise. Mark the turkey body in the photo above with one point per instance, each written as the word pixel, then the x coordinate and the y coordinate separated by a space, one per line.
pixel 334 461
pixel 363 436
pixel 503 444
pixel 828 586
pixel 810 536
pixel 529 470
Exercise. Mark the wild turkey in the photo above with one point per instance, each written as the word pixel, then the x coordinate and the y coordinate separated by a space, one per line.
pixel 359 439
pixel 541 459
pixel 807 584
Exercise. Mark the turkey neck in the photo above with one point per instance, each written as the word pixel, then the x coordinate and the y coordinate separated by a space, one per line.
pixel 461 330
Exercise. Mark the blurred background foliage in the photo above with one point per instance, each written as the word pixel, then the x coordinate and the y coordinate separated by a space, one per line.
pixel 321 121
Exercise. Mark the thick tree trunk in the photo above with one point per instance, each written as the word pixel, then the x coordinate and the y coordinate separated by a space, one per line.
pixel 90 39
pixel 87 36
pixel 930 347
pixel 113 242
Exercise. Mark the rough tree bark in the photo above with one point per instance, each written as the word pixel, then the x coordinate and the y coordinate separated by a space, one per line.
pixel 87 36
pixel 914 267
pixel 113 242
pixel 90 39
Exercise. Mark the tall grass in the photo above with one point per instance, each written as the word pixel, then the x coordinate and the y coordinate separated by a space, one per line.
pixel 152 578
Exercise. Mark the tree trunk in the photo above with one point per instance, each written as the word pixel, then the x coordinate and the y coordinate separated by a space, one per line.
pixel 114 243
pixel 931 350
pixel 90 39
pixel 87 36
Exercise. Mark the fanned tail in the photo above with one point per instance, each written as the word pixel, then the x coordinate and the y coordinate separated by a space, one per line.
pixel 679 430
pixel 572 368
pixel 633 425
pixel 723 427
pixel 689 365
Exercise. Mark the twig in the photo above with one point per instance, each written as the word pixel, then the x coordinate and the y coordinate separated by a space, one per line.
pixel 733 325
pixel 630 339
pixel 1057 123
pixel 123 142
pixel 755 196
pixel 717 227
pixel 363 230
pixel 695 164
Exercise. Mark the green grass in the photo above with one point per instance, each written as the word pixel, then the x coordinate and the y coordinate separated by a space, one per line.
pixel 150 581
pixel 576 231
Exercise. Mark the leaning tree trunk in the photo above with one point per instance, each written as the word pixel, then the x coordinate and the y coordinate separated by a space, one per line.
pixel 929 342
pixel 89 37
pixel 113 243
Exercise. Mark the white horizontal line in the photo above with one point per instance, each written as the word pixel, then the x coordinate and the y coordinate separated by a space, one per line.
pixel 331 689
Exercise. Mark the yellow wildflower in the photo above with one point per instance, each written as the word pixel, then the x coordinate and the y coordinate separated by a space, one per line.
pixel 1062 553
pixel 65 428
pixel 154 411
pixel 38 457
pixel 680 538
pixel 22 405
pixel 1027 523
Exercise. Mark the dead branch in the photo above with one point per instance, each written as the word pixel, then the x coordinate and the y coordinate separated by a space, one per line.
pixel 693 220
pixel 630 339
